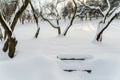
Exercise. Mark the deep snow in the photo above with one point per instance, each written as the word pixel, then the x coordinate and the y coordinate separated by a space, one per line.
pixel 36 59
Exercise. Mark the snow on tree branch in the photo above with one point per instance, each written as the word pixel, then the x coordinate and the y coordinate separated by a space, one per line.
pixel 104 24
pixel 93 7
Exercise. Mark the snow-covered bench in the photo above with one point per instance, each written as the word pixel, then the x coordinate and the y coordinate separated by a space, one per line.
pixel 72 63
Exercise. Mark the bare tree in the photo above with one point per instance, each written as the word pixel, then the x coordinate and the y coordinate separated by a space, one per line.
pixel 56 16
pixel 110 14
pixel 72 19
pixel 36 19
pixel 11 42
pixel 52 12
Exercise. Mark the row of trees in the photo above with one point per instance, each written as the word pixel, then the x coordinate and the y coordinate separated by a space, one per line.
pixel 13 10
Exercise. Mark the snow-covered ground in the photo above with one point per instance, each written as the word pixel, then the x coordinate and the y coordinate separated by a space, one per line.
pixel 36 59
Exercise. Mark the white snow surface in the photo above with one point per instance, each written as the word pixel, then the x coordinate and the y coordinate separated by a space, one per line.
pixel 36 59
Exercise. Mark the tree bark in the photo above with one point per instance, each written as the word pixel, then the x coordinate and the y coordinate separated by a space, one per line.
pixel 12 47
pixel 37 33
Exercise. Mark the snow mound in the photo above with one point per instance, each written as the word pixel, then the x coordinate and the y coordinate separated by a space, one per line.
pixel 37 68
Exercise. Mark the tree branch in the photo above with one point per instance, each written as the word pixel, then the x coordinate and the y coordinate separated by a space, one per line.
pixel 5 26
pixel 73 17
pixel 47 20
pixel 18 14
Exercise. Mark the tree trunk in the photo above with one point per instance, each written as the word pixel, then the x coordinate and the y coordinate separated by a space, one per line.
pixel 59 31
pixel 5 48
pixel 99 35
pixel 71 22
pixel 37 33
pixel 10 44
pixel 36 20
pixel 1 35
pixel 5 35
pixel 12 47
pixel 56 27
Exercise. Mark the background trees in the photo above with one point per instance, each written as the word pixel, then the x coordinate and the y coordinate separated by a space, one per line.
pixel 51 14
pixel 110 12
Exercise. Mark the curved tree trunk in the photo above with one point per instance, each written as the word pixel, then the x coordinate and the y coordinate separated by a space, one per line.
pixel 71 22
pixel 99 35
pixel 56 27
pixel 10 44
pixel 36 20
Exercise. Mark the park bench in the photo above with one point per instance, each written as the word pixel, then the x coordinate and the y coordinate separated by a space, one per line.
pixel 73 61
